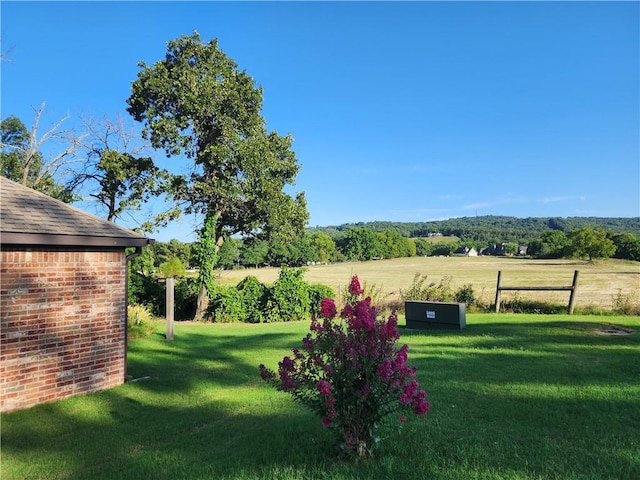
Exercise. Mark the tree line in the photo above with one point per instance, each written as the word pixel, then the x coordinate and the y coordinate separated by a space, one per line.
pixel 363 244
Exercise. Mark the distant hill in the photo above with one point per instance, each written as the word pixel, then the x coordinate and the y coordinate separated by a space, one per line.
pixel 491 228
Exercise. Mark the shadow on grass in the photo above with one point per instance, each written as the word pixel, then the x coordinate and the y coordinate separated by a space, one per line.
pixel 508 401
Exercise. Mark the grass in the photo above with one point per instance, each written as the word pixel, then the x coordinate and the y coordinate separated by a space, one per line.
pixel 601 284
pixel 513 397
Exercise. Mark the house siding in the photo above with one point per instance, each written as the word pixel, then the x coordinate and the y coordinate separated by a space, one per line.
pixel 63 323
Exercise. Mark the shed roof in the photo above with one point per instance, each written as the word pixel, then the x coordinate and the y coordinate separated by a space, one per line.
pixel 28 217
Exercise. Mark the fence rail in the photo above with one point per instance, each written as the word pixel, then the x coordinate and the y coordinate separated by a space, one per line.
pixel 572 288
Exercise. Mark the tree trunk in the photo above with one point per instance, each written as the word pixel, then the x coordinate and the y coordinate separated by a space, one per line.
pixel 203 303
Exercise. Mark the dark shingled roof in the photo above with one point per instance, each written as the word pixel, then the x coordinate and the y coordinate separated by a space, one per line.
pixel 28 217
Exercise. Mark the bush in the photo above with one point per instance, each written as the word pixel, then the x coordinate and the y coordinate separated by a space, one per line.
pixel 186 298
pixel 289 295
pixel 350 373
pixel 139 321
pixel 626 304
pixel 253 296
pixel 225 305
pixel 317 292
pixel 143 290
pixel 433 292
pixel 466 295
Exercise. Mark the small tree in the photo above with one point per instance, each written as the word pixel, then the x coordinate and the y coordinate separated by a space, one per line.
pixel 117 172
pixel 590 242
pixel 172 268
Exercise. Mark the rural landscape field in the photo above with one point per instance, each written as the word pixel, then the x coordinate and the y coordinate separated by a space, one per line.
pixel 600 283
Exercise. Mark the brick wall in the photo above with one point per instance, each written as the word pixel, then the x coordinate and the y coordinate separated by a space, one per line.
pixel 62 330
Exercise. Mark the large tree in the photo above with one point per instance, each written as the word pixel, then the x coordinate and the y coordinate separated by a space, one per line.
pixel 198 104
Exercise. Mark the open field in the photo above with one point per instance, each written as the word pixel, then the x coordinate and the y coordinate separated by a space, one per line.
pixel 513 397
pixel 599 283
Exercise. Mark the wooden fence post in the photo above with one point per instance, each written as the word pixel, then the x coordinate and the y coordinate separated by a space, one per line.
pixel 169 305
pixel 574 287
pixel 498 292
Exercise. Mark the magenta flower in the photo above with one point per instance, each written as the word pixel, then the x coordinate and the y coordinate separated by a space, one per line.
pixel 354 287
pixel 328 308
pixel 323 387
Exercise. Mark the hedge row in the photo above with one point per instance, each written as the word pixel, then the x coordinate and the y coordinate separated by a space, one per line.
pixel 290 298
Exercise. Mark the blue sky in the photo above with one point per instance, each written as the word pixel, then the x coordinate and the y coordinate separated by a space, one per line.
pixel 400 111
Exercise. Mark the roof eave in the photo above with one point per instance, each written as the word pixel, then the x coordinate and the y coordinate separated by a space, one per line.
pixel 42 239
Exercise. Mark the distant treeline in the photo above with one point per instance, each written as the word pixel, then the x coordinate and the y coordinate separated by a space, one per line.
pixel 490 229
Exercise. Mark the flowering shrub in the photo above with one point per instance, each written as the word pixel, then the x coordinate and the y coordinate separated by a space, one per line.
pixel 350 373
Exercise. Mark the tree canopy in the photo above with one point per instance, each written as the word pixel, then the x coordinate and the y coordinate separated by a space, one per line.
pixel 198 104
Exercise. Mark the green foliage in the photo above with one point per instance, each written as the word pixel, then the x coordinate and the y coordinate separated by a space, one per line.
pixel 360 244
pixel 172 268
pixel 318 292
pixel 138 315
pixel 206 252
pixel 119 179
pixel 441 291
pixel 517 304
pixel 229 253
pixel 18 161
pixel 139 321
pixel 424 248
pixel 325 247
pixel 626 304
pixel 590 242
pixel 465 294
pixel 434 292
pixel 289 298
pixel 627 246
pixel 144 264
pixel 186 298
pixel 198 104
pixel 147 291
pixel 489 229
pixel 254 299
pixel 551 244
pixel 445 249
pixel 290 295
pixel 225 305
pixel 254 252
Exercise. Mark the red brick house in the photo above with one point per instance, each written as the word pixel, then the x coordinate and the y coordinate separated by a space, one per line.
pixel 63 299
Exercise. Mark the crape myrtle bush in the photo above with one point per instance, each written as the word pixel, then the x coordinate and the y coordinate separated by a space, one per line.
pixel 349 372
pixel 290 298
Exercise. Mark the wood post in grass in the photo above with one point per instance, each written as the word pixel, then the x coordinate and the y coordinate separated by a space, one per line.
pixel 170 304
pixel 572 288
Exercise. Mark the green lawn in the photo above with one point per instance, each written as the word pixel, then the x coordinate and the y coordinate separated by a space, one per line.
pixel 513 397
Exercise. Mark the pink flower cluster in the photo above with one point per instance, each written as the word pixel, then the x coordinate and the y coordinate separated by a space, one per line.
pixel 350 372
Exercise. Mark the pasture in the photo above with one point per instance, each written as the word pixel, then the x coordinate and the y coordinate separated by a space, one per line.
pixel 600 283
pixel 516 397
